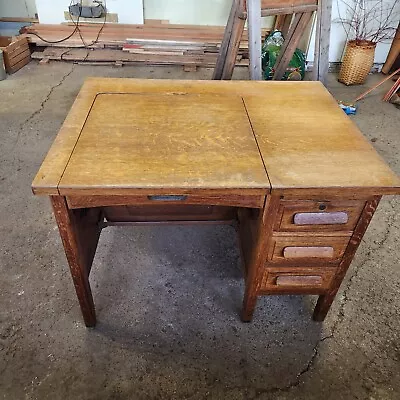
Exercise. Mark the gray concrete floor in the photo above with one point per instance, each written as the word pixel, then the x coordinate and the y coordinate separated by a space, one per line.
pixel 168 298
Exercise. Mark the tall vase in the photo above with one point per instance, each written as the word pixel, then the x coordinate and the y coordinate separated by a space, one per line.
pixel 357 62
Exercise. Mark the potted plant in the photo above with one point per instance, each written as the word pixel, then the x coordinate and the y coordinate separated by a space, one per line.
pixel 367 22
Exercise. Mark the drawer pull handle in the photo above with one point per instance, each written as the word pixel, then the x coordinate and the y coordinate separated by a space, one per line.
pixel 311 252
pixel 298 280
pixel 332 218
pixel 167 198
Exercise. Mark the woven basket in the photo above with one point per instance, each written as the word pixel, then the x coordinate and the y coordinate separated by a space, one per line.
pixel 357 62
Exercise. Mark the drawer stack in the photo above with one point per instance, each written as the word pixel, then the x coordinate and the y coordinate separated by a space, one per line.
pixel 308 241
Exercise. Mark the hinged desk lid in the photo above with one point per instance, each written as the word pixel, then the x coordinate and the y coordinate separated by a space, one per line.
pixel 164 141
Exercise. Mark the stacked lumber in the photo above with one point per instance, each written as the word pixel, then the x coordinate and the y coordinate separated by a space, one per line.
pixel 16 53
pixel 117 56
pixel 153 44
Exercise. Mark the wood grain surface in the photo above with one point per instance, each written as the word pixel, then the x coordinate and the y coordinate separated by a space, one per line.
pixel 205 142
pixel 307 141
pixel 165 141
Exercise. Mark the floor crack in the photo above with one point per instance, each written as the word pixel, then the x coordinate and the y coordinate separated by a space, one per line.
pixel 41 107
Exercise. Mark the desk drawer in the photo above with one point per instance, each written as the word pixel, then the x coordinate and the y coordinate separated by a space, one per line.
pixel 308 249
pixel 311 215
pixel 313 280
pixel 231 200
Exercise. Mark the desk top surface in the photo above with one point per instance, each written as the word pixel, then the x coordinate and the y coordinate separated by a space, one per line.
pixel 126 135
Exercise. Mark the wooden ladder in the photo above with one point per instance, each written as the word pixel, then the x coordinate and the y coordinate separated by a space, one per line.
pixel 293 18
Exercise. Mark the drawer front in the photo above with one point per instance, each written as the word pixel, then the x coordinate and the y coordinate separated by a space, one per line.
pixel 233 200
pixel 310 215
pixel 313 280
pixel 300 250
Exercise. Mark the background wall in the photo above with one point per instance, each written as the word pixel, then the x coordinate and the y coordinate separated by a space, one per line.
pixel 129 11
pixel 18 8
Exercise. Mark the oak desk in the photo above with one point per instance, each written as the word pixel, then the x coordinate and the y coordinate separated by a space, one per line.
pixel 280 158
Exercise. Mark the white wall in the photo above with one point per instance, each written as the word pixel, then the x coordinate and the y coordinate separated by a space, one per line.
pixel 339 37
pixel 129 11
pixel 18 8
pixel 192 12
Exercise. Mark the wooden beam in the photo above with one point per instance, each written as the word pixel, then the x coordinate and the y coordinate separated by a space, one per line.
pixel 236 36
pixel 322 39
pixel 219 67
pixel 282 23
pixel 18 19
pixel 254 29
pixel 393 52
pixel 289 46
pixel 265 12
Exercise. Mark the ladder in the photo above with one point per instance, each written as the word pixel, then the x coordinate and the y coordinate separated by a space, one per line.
pixel 293 16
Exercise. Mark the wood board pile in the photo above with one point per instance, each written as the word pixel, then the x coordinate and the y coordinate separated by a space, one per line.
pixel 117 56
pixel 152 44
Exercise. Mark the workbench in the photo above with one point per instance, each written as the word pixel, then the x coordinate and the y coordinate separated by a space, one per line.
pixel 279 159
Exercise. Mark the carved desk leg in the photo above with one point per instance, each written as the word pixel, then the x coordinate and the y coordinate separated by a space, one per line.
pixel 79 231
pixel 258 256
pixel 325 301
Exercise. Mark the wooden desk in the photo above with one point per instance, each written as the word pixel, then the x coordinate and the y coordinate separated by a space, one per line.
pixel 280 158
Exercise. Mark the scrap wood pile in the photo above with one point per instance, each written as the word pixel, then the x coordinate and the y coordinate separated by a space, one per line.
pixel 153 43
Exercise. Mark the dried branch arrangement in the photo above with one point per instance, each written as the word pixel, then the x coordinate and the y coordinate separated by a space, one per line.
pixel 370 20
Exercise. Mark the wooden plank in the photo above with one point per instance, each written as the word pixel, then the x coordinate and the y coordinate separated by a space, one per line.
pixel 219 67
pixel 288 10
pixel 109 55
pixel 15 67
pixel 282 23
pixel 18 57
pixel 288 48
pixel 18 43
pixel 394 52
pixel 18 19
pixel 254 26
pixel 323 33
pixel 234 43
pixel 148 140
pixel 286 3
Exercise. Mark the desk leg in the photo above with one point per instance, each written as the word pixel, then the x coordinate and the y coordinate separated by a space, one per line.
pixel 79 231
pixel 325 301
pixel 249 302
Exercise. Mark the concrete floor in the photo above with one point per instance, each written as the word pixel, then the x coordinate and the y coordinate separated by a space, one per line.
pixel 168 298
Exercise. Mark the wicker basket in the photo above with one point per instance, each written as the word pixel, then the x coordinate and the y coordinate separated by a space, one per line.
pixel 357 62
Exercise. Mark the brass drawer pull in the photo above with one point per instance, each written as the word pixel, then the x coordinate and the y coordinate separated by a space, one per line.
pixel 298 280
pixel 312 252
pixel 169 197
pixel 332 218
